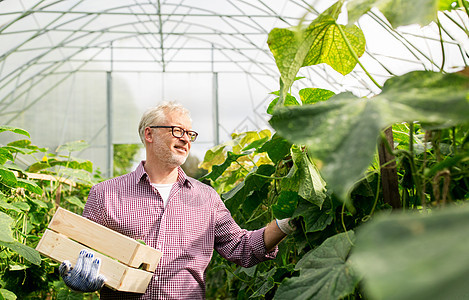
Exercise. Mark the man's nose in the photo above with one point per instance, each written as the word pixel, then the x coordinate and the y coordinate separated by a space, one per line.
pixel 186 137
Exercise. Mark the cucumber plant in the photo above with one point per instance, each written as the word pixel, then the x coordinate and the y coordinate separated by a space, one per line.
pixel 321 168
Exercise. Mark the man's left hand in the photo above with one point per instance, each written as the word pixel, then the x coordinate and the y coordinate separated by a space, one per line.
pixel 84 277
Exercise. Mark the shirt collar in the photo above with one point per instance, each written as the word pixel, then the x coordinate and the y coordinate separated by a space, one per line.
pixel 141 174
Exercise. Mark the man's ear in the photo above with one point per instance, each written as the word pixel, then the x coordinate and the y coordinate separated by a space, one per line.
pixel 148 135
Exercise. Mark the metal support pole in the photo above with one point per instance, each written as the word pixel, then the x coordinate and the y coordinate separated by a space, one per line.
pixel 109 146
pixel 216 133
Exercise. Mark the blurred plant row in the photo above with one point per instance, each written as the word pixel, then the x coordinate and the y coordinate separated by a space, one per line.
pixel 377 186
pixel 33 183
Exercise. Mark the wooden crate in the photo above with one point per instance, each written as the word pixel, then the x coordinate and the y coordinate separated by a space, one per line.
pixel 127 264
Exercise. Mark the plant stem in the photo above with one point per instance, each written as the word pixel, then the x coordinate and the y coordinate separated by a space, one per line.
pixel 453 140
pixel 23 229
pixel 376 197
pixel 254 217
pixel 242 167
pixel 442 45
pixel 424 161
pixel 343 224
pixel 411 138
pixel 411 157
pixel 268 177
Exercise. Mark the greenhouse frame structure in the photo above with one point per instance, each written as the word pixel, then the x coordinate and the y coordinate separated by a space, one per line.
pixel 86 70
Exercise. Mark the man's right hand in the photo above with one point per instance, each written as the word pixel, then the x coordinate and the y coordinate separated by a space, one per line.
pixel 84 277
pixel 285 225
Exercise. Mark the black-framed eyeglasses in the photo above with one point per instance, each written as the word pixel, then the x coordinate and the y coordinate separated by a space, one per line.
pixel 178 132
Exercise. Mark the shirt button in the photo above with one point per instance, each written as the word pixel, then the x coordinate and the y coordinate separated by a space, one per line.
pixel 156 277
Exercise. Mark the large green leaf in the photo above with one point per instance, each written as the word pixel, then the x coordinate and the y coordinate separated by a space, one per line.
pixel 214 155
pixel 25 146
pixel 29 185
pixel 236 196
pixel 6 205
pixel 7 177
pixel 342 132
pixel 325 272
pixel 252 202
pixel 13 129
pixel 38 166
pixel 413 256
pixel 321 42
pixel 315 218
pixel 289 101
pixel 313 95
pixel 256 144
pixel 74 200
pixel 71 164
pixel 22 206
pixel 286 204
pixel 268 284
pixel 277 148
pixel 311 186
pixel 5 155
pixel 399 12
pixel 7 295
pixel 26 252
pixel 218 170
pixel 246 140
pixel 5 228
pixel 39 203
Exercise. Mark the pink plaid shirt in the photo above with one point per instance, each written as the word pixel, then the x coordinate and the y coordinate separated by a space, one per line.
pixel 194 222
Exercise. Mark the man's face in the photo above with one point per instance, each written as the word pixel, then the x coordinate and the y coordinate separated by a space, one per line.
pixel 169 149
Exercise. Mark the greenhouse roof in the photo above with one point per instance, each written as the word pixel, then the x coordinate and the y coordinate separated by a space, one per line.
pixel 87 69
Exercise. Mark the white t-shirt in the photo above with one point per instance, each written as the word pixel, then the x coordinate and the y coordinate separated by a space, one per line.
pixel 164 190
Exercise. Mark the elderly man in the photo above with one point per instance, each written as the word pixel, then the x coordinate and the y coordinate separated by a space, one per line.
pixel 178 215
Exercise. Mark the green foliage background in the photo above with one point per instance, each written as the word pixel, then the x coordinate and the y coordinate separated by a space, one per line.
pixel 321 169
pixel 124 158
pixel 29 197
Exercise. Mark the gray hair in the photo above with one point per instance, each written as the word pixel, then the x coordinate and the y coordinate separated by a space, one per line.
pixel 157 115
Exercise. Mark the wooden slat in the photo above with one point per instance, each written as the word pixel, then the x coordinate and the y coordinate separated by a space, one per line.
pixel 105 240
pixel 119 276
pixel 46 177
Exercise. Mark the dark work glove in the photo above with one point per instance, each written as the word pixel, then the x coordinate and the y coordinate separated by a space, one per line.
pixel 84 277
